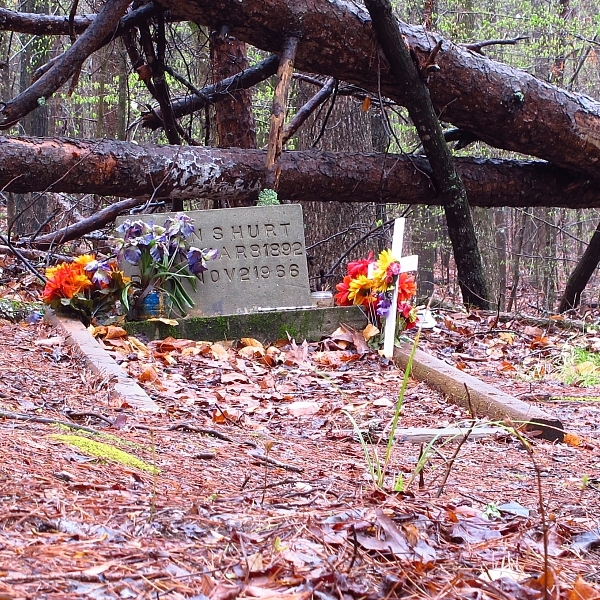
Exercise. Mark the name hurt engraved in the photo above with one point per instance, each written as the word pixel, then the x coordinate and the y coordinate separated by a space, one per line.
pixel 241 232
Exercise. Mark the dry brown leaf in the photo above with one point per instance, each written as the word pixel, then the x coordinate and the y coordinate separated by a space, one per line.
pixel 148 374
pixel 506 366
pixel 370 331
pixel 171 344
pixel 533 331
pixel 219 352
pixel 113 332
pixel 251 342
pixel 570 439
pixel 233 376
pixel 137 345
pixel 582 590
pixel 250 352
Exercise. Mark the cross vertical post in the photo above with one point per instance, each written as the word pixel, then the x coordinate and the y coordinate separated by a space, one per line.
pixel 408 263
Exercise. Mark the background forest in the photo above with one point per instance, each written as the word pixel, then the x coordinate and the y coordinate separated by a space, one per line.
pixel 528 253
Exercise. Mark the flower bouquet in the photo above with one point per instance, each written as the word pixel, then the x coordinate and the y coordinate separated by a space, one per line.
pixel 88 288
pixel 164 258
pixel 370 283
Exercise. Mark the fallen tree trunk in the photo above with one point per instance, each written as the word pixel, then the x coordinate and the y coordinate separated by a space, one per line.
pixel 114 168
pixel 504 107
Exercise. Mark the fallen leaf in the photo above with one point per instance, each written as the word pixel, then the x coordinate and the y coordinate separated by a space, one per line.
pixel 302 408
pixel 148 374
pixel 164 320
pixel 250 352
pixel 570 439
pixel 219 352
pixel 583 591
pixel 113 332
pixel 233 376
pixel 370 331
pixel 533 331
pixel 251 342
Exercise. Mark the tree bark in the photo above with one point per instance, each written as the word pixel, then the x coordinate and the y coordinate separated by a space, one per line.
pixel 471 278
pixel 235 121
pixel 116 168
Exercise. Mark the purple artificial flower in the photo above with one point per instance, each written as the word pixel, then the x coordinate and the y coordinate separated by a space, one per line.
pixel 181 225
pixel 383 308
pixel 132 254
pixel 197 259
pixel 101 270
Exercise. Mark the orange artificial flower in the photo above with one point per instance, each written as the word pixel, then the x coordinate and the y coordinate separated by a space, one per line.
pixel 407 287
pixel 65 281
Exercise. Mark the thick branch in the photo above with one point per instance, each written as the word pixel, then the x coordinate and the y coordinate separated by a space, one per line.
pixel 73 232
pixel 307 109
pixel 126 24
pixel 279 110
pixel 34 24
pixel 63 69
pixel 213 93
pixel 113 168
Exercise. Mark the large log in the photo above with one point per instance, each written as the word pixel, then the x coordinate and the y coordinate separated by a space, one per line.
pixel 505 107
pixel 114 168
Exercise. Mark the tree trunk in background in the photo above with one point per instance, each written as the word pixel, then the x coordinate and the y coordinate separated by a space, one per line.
pixel 581 274
pixel 233 116
pixel 500 238
pixel 548 261
pixel 517 246
pixel 348 128
pixel 26 213
pixel 447 180
pixel 123 97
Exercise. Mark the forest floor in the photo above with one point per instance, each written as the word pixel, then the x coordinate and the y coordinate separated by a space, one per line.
pixel 254 484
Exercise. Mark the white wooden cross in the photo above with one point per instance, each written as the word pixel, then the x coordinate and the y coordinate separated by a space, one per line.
pixel 407 263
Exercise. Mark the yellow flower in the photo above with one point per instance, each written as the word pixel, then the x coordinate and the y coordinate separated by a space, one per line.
pixel 84 259
pixel 381 277
pixel 359 289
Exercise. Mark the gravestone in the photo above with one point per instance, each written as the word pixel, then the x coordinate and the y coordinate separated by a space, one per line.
pixel 262 263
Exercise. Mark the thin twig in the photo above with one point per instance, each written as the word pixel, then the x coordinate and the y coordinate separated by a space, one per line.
pixel 47 420
pixel 257 454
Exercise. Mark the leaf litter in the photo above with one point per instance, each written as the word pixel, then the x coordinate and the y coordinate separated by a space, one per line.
pixel 260 487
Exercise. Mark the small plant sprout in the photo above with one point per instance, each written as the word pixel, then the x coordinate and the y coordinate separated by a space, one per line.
pixel 267 197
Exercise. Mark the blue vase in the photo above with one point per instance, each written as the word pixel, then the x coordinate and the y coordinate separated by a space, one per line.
pixel 152 305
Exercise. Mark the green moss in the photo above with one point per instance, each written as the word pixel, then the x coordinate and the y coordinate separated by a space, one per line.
pixel 104 451
pixel 310 324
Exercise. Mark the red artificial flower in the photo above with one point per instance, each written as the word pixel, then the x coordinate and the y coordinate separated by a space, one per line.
pixel 360 267
pixel 341 298
pixel 409 314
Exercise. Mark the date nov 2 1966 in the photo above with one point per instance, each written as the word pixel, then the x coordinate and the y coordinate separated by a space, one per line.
pixel 253 273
